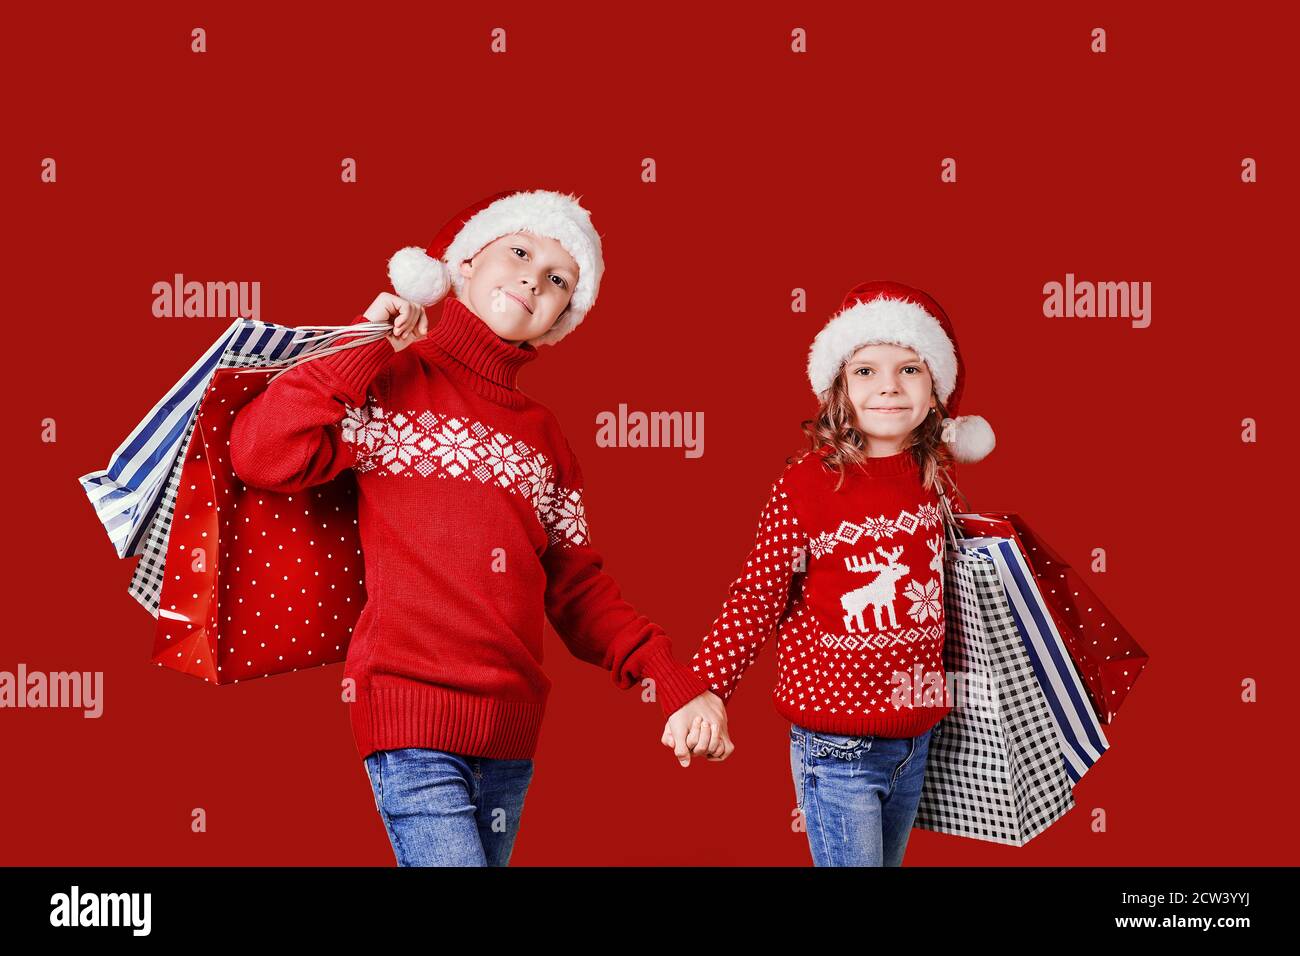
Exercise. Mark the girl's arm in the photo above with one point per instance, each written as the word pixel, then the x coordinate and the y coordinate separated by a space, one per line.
pixel 587 609
pixel 757 599
pixel 304 429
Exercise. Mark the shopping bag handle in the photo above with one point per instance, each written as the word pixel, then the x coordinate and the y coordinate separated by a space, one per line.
pixel 330 340
pixel 949 522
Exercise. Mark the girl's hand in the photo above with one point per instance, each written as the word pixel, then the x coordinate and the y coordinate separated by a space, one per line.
pixel 410 324
pixel 699 727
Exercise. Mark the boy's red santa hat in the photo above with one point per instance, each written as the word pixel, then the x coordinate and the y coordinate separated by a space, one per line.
pixel 892 313
pixel 426 276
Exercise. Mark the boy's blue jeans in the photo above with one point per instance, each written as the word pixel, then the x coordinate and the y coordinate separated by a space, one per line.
pixel 446 809
pixel 858 795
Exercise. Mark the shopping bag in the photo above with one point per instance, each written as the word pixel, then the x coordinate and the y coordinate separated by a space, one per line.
pixel 147 578
pixel 126 494
pixel 256 582
pixel 1107 657
pixel 1077 727
pixel 995 770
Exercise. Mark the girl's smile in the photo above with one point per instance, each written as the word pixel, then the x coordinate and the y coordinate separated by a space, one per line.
pixel 889 386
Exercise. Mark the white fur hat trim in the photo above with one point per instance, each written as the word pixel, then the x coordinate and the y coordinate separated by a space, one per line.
pixel 881 321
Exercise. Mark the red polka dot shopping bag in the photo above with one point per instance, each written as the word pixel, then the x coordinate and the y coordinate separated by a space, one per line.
pixel 1107 657
pixel 255 582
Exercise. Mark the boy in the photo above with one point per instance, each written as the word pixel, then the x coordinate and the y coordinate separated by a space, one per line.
pixel 472 524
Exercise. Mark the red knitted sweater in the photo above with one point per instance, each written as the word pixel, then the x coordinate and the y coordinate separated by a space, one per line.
pixel 471 517
pixel 852 581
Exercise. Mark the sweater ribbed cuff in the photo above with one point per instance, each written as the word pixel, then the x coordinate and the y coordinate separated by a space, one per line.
pixel 675 684
pixel 352 370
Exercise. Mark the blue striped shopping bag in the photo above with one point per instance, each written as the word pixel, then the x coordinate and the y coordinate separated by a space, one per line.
pixel 127 493
pixel 1081 737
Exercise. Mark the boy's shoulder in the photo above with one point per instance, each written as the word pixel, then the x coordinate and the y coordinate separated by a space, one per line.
pixel 537 426
pixel 550 429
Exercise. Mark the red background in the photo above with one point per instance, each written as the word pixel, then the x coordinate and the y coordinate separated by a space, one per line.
pixel 775 171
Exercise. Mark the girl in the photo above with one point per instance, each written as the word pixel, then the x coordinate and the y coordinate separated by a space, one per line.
pixel 472 523
pixel 848 567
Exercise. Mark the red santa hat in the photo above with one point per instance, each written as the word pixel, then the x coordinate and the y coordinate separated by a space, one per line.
pixel 426 276
pixel 892 313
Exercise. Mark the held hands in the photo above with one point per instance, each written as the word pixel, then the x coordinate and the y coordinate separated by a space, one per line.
pixel 410 324
pixel 699 727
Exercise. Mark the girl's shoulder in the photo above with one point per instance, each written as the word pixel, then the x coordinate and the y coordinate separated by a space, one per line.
pixel 806 470
pixel 812 460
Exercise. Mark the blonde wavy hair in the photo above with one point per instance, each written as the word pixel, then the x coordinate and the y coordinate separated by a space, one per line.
pixel 836 425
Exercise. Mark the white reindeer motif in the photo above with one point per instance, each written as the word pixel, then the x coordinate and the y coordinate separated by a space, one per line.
pixel 935 546
pixel 879 593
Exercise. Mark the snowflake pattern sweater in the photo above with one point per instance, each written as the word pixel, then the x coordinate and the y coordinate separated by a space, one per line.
pixel 473 528
pixel 852 583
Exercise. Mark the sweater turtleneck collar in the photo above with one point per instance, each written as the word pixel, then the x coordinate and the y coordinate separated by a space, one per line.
pixel 479 357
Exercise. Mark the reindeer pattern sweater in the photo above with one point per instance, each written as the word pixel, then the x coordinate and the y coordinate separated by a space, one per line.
pixel 473 529
pixel 851 581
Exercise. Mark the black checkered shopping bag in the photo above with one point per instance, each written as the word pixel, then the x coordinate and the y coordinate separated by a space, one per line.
pixel 995 771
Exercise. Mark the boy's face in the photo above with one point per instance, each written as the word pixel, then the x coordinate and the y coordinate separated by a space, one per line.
pixel 519 284
pixel 880 377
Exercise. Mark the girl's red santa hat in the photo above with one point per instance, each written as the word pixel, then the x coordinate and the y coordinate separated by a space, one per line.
pixel 426 276
pixel 892 313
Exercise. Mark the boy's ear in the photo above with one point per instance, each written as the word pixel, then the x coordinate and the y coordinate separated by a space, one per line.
pixel 466 267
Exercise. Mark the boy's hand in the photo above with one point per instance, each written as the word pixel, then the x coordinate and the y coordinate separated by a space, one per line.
pixel 410 324
pixel 699 727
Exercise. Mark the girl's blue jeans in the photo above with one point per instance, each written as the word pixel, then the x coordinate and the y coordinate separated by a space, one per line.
pixel 857 795
pixel 446 809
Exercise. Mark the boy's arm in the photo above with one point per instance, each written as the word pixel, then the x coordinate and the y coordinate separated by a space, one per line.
pixel 586 607
pixel 757 599
pixel 305 427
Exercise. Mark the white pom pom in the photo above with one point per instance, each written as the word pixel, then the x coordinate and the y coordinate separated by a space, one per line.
pixel 971 437
pixel 417 276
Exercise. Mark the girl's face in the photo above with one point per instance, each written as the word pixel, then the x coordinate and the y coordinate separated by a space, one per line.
pixel 889 387
pixel 519 284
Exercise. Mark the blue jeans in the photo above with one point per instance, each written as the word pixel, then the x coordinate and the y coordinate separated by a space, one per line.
pixel 857 795
pixel 446 809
